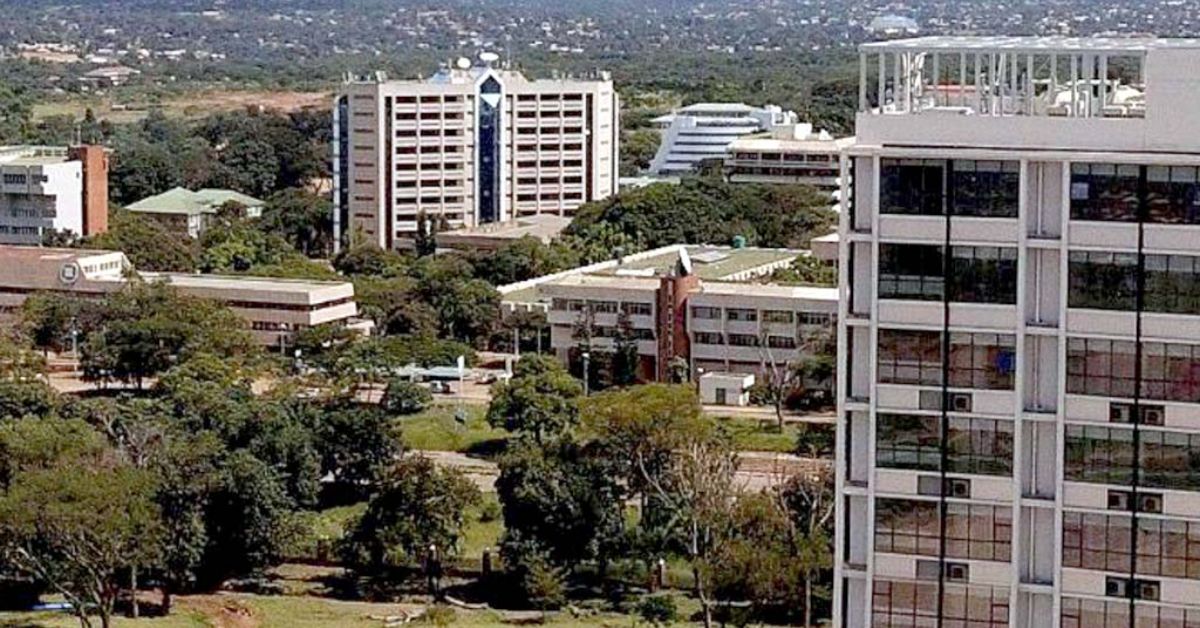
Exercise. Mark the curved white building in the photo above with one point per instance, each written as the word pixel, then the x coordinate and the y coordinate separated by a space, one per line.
pixel 705 131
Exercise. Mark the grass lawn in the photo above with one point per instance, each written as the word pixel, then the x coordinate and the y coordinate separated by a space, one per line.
pixel 436 429
pixel 760 435
pixel 479 534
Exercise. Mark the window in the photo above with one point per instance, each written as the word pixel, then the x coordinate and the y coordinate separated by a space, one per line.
pixel 1169 460
pixel 1172 284
pixel 1100 367
pixel 1170 371
pixel 982 361
pixel 912 186
pixel 1168 547
pixel 603 307
pixel 1088 613
pixel 1171 194
pixel 1105 192
pixel 978 531
pixel 911 271
pixel 908 441
pixel 978 274
pixel 974 606
pixel 902 604
pixel 983 274
pixel 1097 541
pixel 1102 280
pixel 979 446
pixel 14 179
pixel 781 342
pixel 907 526
pixel 737 314
pixel 815 318
pixel 778 316
pixel 636 309
pixel 708 338
pixel 1103 455
pixel 910 357
pixel 743 340
pixel 985 188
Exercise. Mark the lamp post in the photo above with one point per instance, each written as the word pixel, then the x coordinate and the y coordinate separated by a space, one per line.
pixel 586 374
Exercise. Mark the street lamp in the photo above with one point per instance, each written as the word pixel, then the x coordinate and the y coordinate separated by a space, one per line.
pixel 586 357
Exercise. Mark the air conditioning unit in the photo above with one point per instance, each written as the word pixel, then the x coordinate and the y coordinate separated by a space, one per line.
pixel 957 572
pixel 1150 502
pixel 958 488
pixel 1118 500
pixel 1147 590
pixel 1120 413
pixel 1116 587
pixel 1152 415
pixel 960 402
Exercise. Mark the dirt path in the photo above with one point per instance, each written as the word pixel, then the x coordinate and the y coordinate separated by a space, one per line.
pixel 222 611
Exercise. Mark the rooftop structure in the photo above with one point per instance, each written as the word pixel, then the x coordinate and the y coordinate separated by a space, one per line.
pixel 704 131
pixel 489 237
pixel 1019 405
pixel 474 144
pixel 701 303
pixel 47 189
pixel 274 309
pixel 189 211
pixel 1015 91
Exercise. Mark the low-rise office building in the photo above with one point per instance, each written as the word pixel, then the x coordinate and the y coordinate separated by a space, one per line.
pixel 186 211
pixel 49 189
pixel 703 304
pixel 795 155
pixel 703 131
pixel 274 309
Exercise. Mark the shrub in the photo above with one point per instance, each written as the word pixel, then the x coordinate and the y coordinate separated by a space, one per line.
pixel 658 609
pixel 405 397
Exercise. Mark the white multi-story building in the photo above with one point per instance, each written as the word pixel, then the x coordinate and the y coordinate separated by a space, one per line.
pixel 469 146
pixel 705 130
pixel 1019 337
pixel 46 189
pixel 795 155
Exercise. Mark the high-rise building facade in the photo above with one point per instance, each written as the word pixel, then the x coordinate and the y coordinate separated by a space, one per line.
pixel 469 146
pixel 52 189
pixel 1019 336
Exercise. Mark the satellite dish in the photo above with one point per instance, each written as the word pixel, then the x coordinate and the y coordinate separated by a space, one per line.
pixel 463 63
pixel 489 57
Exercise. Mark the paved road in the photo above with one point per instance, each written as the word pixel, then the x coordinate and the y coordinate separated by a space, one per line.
pixel 757 470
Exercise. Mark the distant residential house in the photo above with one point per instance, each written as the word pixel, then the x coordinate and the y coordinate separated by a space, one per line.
pixel 188 211
pixel 109 76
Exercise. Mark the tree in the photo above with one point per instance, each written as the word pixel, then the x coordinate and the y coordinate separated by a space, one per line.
pixel 425 238
pixel 47 319
pixel 638 148
pixel 540 402
pixel 370 260
pixel 525 258
pixel 405 397
pixel 248 521
pixel 809 500
pixel 807 270
pixel 188 472
pixel 302 218
pixel 76 527
pixel 418 506
pixel 784 381
pixel 149 245
pixel 677 460
pixel 358 444
pixel 625 353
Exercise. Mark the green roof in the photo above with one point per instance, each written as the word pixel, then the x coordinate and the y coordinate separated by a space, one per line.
pixel 183 201
pixel 713 263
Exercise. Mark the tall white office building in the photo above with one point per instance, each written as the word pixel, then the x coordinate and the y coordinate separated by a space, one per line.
pixel 471 145
pixel 1019 336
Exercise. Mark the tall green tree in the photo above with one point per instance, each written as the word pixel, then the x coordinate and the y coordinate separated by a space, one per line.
pixel 540 402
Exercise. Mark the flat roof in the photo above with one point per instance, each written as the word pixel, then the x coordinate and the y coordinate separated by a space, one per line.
pixel 709 262
pixel 180 200
pixel 807 293
pixel 247 282
pixel 541 226
pixel 774 143
pixel 951 43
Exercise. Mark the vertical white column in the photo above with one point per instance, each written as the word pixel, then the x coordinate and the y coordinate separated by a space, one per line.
pixel 862 82
pixel 1060 411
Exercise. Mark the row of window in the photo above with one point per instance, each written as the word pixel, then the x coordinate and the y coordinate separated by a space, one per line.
pixel 1109 281
pixel 976 360
pixel 1087 613
pixel 977 446
pixel 1125 193
pixel 972 531
pixel 1105 542
pixel 977 274
pixel 1106 455
pixel 632 308
pixel 549 130
pixel 1169 371
pixel 550 163
pixel 898 604
pixel 743 340
pixel 937 187
pixel 705 312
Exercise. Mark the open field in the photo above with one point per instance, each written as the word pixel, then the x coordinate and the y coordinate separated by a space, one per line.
pixel 194 105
